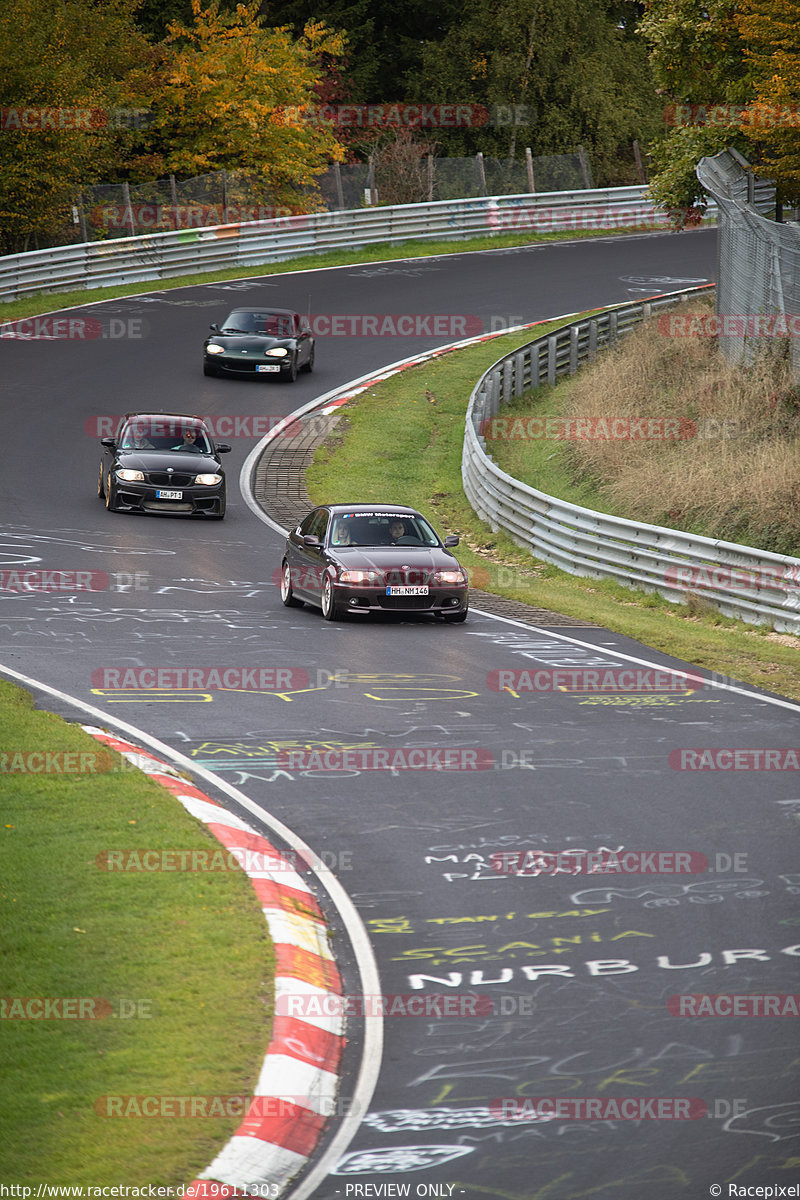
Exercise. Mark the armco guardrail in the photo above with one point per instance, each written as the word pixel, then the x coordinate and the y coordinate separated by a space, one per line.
pixel 183 252
pixel 753 585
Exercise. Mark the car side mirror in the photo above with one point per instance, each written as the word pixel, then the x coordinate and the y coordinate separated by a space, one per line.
pixel 311 539
pixel 223 448
pixel 108 441
pixel 214 328
pixel 452 540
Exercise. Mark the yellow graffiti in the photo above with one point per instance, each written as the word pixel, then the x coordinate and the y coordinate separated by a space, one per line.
pixel 148 695
pixel 650 701
pixel 480 951
pixel 403 924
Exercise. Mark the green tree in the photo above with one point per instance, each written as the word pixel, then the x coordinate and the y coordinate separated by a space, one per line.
pixel 697 56
pixel 63 59
pixel 574 74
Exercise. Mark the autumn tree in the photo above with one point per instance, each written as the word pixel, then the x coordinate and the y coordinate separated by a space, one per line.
pixel 236 95
pixel 61 60
pixel 770 32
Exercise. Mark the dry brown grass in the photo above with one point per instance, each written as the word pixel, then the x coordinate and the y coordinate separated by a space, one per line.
pixel 737 478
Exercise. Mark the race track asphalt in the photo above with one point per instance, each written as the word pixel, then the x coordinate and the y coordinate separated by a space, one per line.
pixel 561 982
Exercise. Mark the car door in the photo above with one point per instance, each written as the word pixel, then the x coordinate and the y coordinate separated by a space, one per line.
pixel 309 561
pixel 304 341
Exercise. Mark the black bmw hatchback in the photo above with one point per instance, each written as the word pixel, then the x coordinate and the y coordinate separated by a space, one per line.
pixel 163 463
pixel 255 342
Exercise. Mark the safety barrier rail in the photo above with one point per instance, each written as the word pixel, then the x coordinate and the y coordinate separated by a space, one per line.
pixel 191 251
pixel 742 582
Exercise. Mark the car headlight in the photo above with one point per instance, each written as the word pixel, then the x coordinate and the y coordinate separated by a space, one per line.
pixel 208 480
pixel 360 578
pixel 215 349
pixel 450 577
pixel 278 352
pixel 130 476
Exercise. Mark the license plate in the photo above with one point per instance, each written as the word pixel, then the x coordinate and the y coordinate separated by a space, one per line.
pixel 265 368
pixel 407 591
pixel 163 495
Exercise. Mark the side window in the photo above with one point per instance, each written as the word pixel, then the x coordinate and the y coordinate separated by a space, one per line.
pixel 321 528
pixel 308 525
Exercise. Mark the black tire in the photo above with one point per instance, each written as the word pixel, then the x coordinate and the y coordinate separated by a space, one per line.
pixel 309 366
pixel 111 498
pixel 455 618
pixel 100 490
pixel 291 374
pixel 288 597
pixel 330 609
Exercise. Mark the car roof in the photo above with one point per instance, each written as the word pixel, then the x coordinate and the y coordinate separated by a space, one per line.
pixel 163 416
pixel 266 308
pixel 378 509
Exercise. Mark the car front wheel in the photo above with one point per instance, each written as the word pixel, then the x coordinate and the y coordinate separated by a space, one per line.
pixel 111 495
pixel 330 609
pixel 291 372
pixel 309 366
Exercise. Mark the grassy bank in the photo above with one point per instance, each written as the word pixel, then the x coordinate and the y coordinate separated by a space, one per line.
pixel 182 960
pixel 395 445
pixel 728 467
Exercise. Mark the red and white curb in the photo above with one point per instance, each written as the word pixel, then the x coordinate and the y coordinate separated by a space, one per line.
pixel 300 1071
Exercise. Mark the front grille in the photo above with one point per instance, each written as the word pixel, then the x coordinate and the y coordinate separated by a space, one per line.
pixel 414 577
pixel 181 506
pixel 164 479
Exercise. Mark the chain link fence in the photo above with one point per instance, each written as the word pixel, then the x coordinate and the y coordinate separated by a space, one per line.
pixel 758 263
pixel 227 197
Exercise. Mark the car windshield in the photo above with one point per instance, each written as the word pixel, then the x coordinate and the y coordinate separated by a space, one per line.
pixel 164 434
pixel 269 323
pixel 381 529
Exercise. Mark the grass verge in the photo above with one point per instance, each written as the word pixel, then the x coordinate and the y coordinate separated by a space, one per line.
pixel 189 953
pixel 721 457
pixel 396 445
pixel 41 302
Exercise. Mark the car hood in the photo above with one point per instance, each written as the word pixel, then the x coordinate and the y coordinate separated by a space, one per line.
pixel 386 558
pixel 248 341
pixel 158 460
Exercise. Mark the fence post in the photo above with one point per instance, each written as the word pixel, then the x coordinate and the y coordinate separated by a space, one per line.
pixel 126 199
pixel 82 217
pixel 529 165
pixel 173 191
pixel 337 175
pixel 430 178
pixel 587 175
pixel 371 190
pixel 638 158
pixel 481 172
